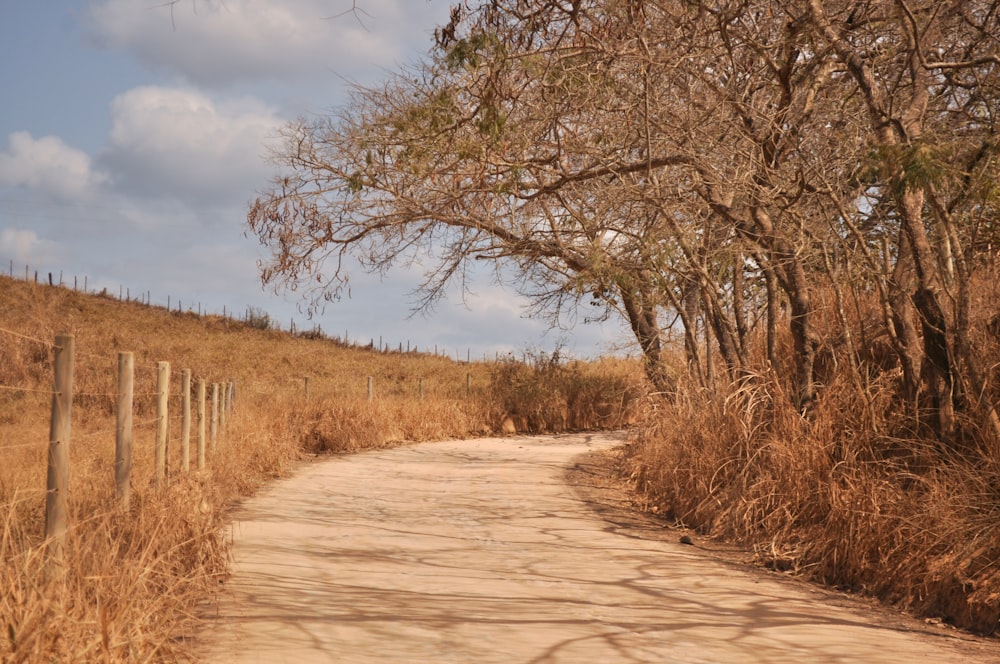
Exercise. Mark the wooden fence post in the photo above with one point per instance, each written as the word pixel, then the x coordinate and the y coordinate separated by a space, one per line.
pixel 123 428
pixel 185 420
pixel 371 389
pixel 162 395
pixel 420 388
pixel 201 424
pixel 223 407
pixel 57 480
pixel 307 387
pixel 215 416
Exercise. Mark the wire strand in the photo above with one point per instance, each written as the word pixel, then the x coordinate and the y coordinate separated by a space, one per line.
pixel 11 388
pixel 95 394
pixel 17 445
pixel 27 338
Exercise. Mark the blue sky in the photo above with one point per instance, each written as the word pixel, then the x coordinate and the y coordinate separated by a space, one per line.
pixel 133 133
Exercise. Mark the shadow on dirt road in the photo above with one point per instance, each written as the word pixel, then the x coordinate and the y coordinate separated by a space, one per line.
pixel 479 551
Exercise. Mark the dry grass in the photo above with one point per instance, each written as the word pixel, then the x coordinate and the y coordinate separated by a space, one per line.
pixel 133 580
pixel 545 394
pixel 850 497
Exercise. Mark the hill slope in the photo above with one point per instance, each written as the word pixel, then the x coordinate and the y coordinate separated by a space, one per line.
pixel 132 575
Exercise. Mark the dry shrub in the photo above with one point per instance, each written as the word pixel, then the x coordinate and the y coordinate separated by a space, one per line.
pixel 833 497
pixel 355 424
pixel 545 394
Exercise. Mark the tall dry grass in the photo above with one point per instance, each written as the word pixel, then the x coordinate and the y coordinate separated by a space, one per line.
pixel 857 495
pixel 544 393
pixel 135 580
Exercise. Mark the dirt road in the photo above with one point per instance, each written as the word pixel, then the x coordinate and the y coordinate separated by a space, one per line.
pixel 480 551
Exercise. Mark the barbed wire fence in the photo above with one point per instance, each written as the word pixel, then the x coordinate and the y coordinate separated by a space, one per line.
pixel 56 491
pixel 250 315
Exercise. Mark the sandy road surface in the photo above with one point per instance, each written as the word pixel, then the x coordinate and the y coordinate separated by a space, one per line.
pixel 478 551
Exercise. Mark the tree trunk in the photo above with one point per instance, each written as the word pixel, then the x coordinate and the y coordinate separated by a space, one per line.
pixel 642 319
pixel 938 365
pixel 905 337
pixel 773 313
pixel 689 317
pixel 937 360
pixel 723 328
pixel 739 305
pixel 802 337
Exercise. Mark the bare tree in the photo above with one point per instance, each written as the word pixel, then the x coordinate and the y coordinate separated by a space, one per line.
pixel 688 165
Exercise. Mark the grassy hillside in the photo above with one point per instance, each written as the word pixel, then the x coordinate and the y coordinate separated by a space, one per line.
pixel 133 578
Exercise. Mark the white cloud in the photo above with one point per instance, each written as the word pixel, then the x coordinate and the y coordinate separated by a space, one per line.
pixel 49 165
pixel 24 247
pixel 218 42
pixel 178 143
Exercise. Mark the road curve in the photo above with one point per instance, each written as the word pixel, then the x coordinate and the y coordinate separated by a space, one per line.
pixel 478 551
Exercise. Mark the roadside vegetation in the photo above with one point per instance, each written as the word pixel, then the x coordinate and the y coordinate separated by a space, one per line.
pixel 794 207
pixel 860 495
pixel 136 581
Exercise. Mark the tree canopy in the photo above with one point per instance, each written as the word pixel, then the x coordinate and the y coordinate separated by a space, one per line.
pixel 733 171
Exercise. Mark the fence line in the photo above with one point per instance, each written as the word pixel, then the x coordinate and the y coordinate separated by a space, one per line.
pixel 58 459
pixel 209 429
pixel 252 316
pixel 224 394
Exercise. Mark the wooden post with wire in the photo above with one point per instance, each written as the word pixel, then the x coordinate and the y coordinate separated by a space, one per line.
pixel 215 416
pixel 57 481
pixel 162 396
pixel 123 428
pixel 185 420
pixel 223 407
pixel 201 424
